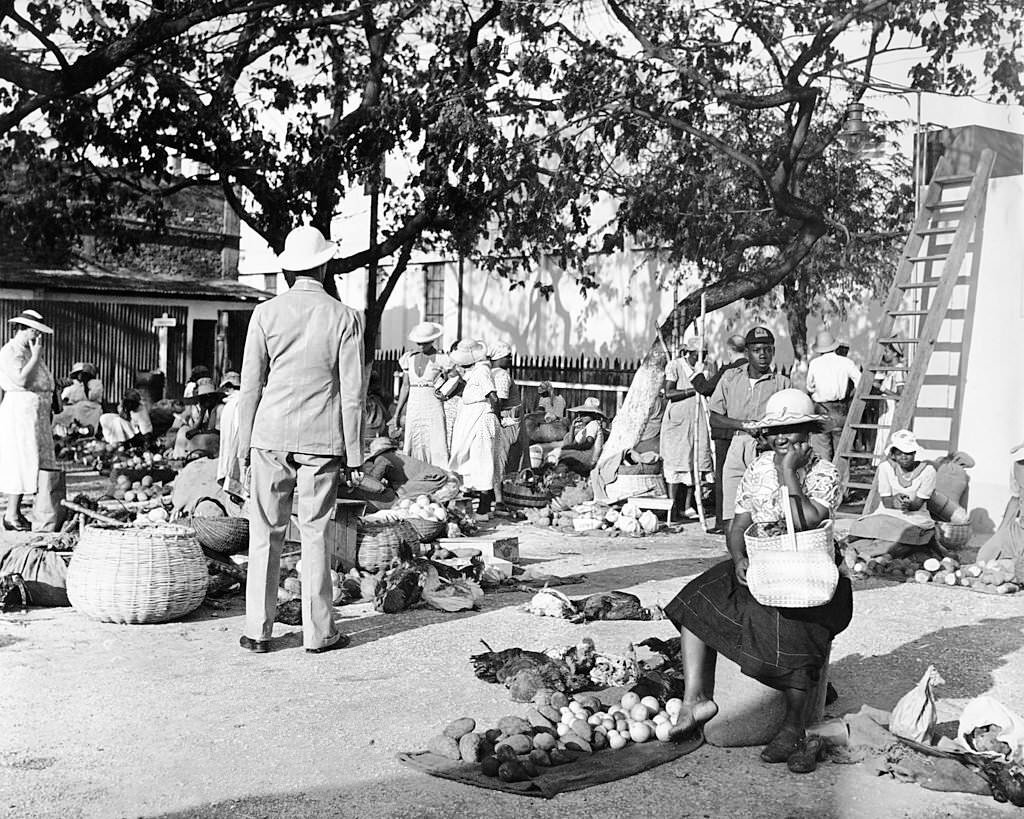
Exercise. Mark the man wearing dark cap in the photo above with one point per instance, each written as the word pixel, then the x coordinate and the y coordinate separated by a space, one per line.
pixel 740 396
pixel 735 348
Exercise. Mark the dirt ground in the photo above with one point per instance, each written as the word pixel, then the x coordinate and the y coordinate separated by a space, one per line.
pixel 176 720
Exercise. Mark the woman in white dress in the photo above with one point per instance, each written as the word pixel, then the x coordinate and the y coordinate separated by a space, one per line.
pixel 26 445
pixel 685 437
pixel 477 430
pixel 509 415
pixel 426 435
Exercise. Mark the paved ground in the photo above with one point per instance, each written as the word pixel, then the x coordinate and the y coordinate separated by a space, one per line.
pixel 175 720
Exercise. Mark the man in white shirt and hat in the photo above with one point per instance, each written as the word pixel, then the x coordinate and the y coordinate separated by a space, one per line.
pixel 829 379
pixel 298 426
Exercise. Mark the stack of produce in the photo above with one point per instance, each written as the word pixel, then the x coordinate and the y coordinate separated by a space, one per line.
pixel 142 490
pixel 990 577
pixel 592 515
pixel 556 731
pixel 420 508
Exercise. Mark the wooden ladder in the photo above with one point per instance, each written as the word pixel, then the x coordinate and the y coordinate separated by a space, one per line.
pixel 930 297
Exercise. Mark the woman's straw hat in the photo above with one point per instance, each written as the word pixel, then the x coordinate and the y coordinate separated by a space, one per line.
pixel 83 367
pixel 467 352
pixel 591 405
pixel 30 318
pixel 787 408
pixel 425 332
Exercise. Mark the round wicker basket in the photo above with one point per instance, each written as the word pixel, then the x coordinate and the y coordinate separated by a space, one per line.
pixel 428 530
pixel 952 535
pixel 148 574
pixel 225 534
pixel 377 544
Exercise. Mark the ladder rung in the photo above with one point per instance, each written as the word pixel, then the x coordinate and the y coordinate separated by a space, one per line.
pixel 890 339
pixel 934 412
pixel 936 230
pixel 960 179
pixel 936 258
pixel 931 283
pixel 876 398
pixel 944 380
pixel 888 368
pixel 948 347
pixel 859 486
pixel 909 312
pixel 951 203
pixel 870 426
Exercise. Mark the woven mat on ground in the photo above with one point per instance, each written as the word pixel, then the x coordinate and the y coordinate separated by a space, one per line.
pixel 594 769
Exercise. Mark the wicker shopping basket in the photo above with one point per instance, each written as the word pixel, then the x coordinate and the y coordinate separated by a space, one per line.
pixel 225 534
pixel 428 530
pixel 146 574
pixel 377 543
pixel 792 570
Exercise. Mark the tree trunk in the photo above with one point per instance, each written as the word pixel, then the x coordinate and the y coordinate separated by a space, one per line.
pixel 797 309
pixel 643 390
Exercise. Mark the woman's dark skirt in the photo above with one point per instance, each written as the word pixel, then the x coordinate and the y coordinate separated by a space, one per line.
pixel 782 648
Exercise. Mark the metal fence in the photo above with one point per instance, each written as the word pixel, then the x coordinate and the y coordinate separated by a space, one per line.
pixel 575 379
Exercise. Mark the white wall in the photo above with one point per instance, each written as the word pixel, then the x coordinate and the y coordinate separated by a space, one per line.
pixel 993 412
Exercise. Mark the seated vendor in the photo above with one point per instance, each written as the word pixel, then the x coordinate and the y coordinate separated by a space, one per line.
pixel 581 448
pixel 716 613
pixel 82 398
pixel 201 418
pixel 1008 541
pixel 130 424
pixel 390 476
pixel 553 406
pixel 902 523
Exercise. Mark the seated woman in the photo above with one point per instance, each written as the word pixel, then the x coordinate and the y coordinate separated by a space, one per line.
pixel 1008 541
pixel 82 398
pixel 902 523
pixel 198 427
pixel 131 424
pixel 581 448
pixel 391 476
pixel 785 649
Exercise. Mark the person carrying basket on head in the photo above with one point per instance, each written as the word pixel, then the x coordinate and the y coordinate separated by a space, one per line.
pixel 717 612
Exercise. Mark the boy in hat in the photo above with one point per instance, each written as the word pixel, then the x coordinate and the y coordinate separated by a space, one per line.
pixel 299 415
pixel 741 396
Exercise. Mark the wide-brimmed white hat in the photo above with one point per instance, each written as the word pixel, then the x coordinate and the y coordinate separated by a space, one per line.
pixel 425 332
pixel 591 405
pixel 305 248
pixel 231 377
pixel 824 342
pixel 83 367
pixel 904 440
pixel 693 344
pixel 467 352
pixel 787 408
pixel 30 318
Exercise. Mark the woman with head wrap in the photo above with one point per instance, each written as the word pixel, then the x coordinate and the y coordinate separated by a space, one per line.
pixel 477 429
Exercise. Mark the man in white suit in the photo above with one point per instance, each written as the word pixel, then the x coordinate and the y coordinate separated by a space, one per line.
pixel 299 414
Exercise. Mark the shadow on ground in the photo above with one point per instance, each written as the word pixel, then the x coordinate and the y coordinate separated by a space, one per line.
pixel 966 656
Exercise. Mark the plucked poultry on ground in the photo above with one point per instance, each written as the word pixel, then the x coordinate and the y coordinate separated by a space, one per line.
pixel 525 673
pixel 616 605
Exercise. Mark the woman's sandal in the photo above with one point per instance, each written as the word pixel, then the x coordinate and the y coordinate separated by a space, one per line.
pixel 806 758
pixel 691 718
pixel 783 745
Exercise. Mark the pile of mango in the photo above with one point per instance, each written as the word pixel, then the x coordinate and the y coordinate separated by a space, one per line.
pixel 555 731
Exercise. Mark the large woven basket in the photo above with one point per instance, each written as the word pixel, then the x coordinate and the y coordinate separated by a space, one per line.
pixel 377 544
pixel 148 574
pixel 515 494
pixel 227 535
pixel 428 530
pixel 952 535
pixel 793 570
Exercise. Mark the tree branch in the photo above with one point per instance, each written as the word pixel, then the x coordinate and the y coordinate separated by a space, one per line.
pixel 48 44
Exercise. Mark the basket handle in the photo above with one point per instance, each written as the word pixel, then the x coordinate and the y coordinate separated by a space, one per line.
pixel 787 510
pixel 211 500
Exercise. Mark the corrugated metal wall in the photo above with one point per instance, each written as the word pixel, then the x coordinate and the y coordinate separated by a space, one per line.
pixel 118 338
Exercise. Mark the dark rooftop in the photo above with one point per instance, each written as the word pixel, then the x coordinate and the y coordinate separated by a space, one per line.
pixel 85 277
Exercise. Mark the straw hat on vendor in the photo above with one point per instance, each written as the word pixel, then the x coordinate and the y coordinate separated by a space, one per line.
pixel 825 342
pixel 468 352
pixel 788 409
pixel 205 393
pixel 379 446
pixel 82 368
pixel 500 354
pixel 591 406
